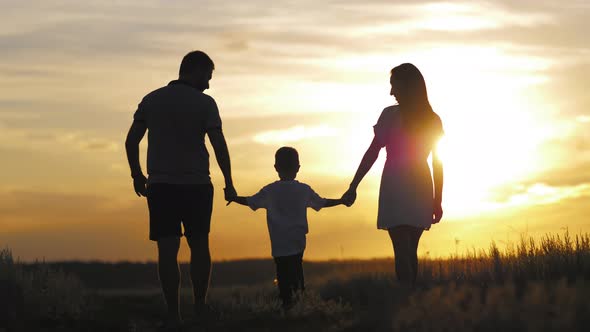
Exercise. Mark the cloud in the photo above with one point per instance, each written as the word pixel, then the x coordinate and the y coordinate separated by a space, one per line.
pixel 73 73
pixel 133 28
pixel 541 194
pixel 43 139
pixel 536 194
pixel 293 134
pixel 23 208
pixel 453 17
pixel 566 85
pixel 100 145
pixel 564 174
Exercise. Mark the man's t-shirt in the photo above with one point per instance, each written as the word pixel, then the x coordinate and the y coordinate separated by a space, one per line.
pixel 177 117
pixel 286 204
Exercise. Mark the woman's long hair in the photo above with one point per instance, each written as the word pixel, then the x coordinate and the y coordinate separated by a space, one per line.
pixel 417 114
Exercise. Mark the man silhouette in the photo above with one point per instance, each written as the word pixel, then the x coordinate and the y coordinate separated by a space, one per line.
pixel 178 187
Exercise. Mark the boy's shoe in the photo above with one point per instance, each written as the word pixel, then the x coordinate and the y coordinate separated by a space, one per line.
pixel 170 326
pixel 204 314
pixel 288 306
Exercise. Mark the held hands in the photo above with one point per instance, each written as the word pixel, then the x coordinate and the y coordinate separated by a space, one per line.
pixel 437 213
pixel 349 197
pixel 230 194
pixel 139 185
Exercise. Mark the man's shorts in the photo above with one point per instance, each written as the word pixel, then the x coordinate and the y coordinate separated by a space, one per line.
pixel 173 204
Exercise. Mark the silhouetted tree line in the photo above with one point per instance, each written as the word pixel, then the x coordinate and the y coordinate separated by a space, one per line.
pixel 126 275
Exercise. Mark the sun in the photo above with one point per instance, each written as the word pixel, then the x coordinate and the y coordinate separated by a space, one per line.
pixel 485 154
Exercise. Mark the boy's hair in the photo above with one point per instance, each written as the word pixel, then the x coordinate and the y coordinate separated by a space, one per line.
pixel 195 60
pixel 286 159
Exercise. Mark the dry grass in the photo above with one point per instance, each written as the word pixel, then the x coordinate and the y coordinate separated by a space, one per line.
pixel 541 306
pixel 38 294
pixel 552 257
pixel 530 286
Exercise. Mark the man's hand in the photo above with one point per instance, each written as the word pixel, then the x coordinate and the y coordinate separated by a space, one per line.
pixel 136 133
pixel 229 201
pixel 139 185
pixel 437 213
pixel 230 194
pixel 349 197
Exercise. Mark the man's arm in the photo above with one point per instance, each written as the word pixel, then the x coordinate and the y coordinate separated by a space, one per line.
pixel 134 137
pixel 222 155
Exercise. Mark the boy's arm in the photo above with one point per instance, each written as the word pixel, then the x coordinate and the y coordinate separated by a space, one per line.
pixel 242 200
pixel 333 202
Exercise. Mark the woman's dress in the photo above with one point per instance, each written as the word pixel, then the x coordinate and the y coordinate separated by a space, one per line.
pixel 406 192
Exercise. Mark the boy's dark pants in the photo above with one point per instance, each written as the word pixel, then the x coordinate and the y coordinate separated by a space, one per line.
pixel 289 276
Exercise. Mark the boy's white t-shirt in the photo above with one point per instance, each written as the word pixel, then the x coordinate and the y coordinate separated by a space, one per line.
pixel 286 204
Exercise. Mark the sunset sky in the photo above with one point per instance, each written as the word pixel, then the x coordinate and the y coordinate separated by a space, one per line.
pixel 508 78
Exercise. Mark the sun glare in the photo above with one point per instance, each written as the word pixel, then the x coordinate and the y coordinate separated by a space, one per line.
pixel 492 125
pixel 478 161
pixel 488 144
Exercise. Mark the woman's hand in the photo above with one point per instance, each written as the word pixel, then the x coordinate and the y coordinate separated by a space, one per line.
pixel 349 197
pixel 366 163
pixel 437 212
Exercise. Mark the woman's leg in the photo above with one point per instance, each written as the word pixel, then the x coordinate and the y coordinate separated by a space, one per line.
pixel 405 241
pixel 415 235
pixel 400 239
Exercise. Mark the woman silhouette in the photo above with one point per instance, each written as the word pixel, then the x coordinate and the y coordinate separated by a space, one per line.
pixel 409 132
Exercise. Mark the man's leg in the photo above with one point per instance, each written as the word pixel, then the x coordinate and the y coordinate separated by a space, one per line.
pixel 200 267
pixel 169 274
pixel 197 206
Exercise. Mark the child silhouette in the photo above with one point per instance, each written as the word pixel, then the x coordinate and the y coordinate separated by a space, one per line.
pixel 286 202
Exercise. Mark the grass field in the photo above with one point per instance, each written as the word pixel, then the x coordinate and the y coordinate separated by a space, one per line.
pixel 541 285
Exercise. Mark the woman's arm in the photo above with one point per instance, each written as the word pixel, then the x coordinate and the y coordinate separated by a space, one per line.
pixel 437 174
pixel 366 163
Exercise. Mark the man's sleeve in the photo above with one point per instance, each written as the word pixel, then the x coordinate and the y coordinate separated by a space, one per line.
pixel 140 114
pixel 315 201
pixel 259 200
pixel 213 120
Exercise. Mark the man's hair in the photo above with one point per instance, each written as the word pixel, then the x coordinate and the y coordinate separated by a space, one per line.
pixel 195 60
pixel 286 159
